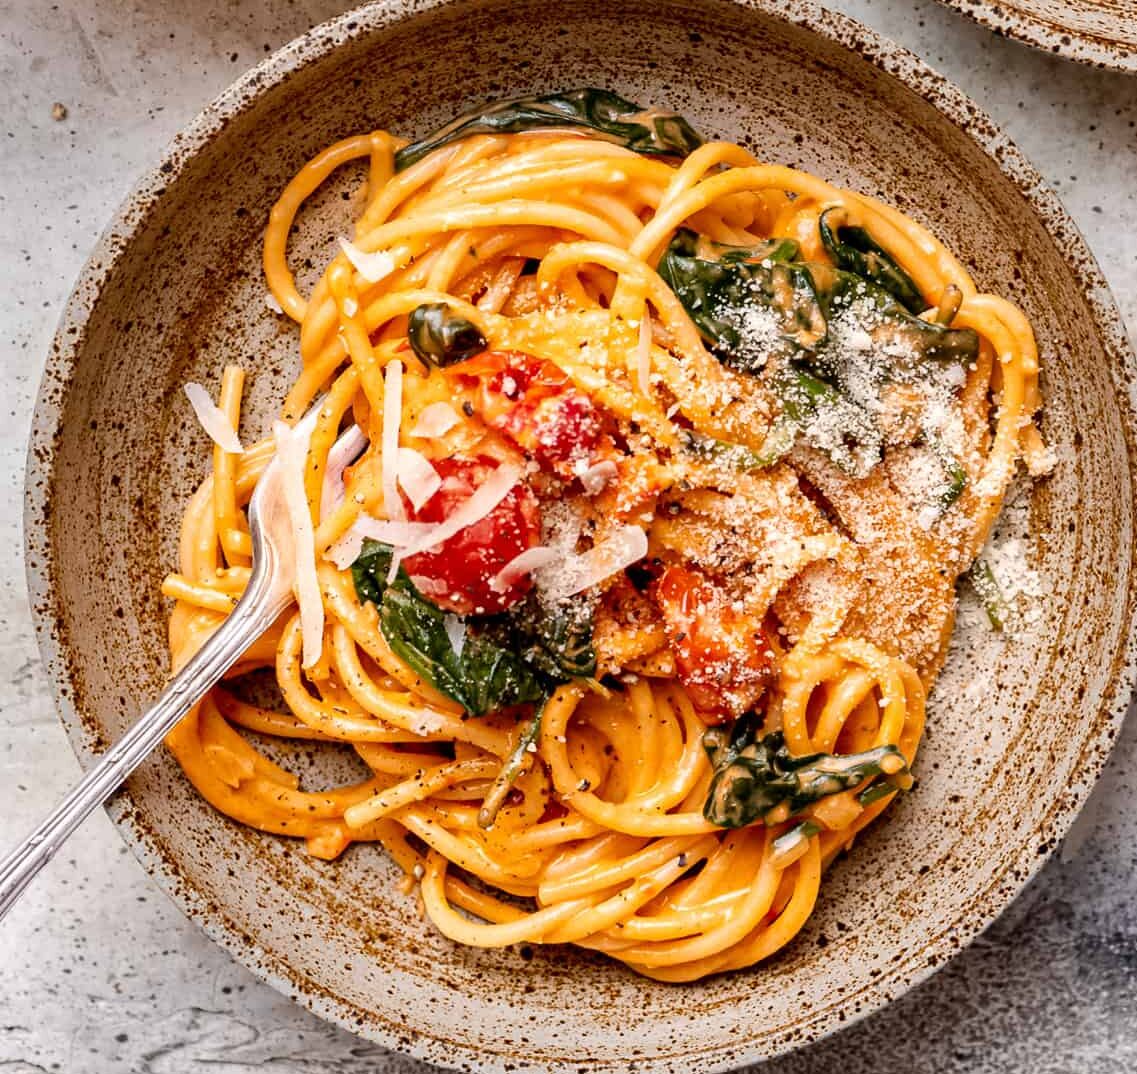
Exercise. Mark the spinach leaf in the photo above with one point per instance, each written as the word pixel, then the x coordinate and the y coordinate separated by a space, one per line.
pixel 856 251
pixel 647 131
pixel 483 678
pixel 908 343
pixel 778 443
pixel 753 776
pixel 717 292
pixel 987 589
pixel 369 572
pixel 804 299
pixel 512 769
pixel 829 419
pixel 955 477
pixel 440 337
pixel 790 840
pixel 756 306
pixel 556 640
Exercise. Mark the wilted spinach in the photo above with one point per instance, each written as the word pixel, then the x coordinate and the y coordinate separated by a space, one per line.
pixel 441 337
pixel 820 386
pixel 955 476
pixel 734 456
pixel 483 678
pixel 990 594
pixel 508 659
pixel 717 290
pixel 512 768
pixel 753 775
pixel 555 640
pixel 855 250
pixel 804 297
pixel 606 114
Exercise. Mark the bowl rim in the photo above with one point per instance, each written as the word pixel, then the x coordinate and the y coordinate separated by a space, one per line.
pixel 1053 38
pixel 129 219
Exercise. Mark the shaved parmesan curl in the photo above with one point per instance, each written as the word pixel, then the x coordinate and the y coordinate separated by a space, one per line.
pixel 417 478
pixel 213 420
pixel 346 550
pixel 527 562
pixel 292 457
pixel 618 550
pixel 435 420
pixel 372 267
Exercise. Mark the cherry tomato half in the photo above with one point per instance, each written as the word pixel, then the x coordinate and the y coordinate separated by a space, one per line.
pixel 722 654
pixel 535 404
pixel 458 574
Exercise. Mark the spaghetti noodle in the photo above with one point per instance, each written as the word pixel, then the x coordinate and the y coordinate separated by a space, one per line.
pixel 632 599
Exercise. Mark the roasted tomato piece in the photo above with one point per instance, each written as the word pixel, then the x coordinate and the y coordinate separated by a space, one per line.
pixel 458 574
pixel 722 654
pixel 535 404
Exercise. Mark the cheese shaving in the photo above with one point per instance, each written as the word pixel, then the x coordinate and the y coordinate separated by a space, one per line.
pixel 597 477
pixel 343 454
pixel 372 267
pixel 213 419
pixel 417 477
pixel 619 549
pixel 435 420
pixel 292 457
pixel 523 563
pixel 344 552
pixel 456 631
pixel 499 484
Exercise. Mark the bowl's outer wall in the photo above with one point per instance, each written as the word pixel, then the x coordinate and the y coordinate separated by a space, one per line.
pixel 175 291
pixel 1099 32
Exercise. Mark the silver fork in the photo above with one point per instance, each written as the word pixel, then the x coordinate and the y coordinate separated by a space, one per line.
pixel 268 593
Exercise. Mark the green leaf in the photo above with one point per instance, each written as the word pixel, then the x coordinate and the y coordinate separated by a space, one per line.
pixel 605 114
pixel 757 307
pixel 555 640
pixel 369 571
pixel 440 337
pixel 955 476
pixel 753 776
pixel 511 770
pixel 829 420
pixel 987 589
pixel 717 292
pixel 484 678
pixel 738 456
pixel 856 251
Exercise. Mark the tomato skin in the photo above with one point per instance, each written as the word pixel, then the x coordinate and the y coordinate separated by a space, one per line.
pixel 722 655
pixel 457 574
pixel 535 404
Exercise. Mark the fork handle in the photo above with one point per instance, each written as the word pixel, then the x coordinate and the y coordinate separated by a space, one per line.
pixel 252 616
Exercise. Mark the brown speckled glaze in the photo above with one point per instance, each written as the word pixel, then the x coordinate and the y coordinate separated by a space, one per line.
pixel 1098 32
pixel 174 290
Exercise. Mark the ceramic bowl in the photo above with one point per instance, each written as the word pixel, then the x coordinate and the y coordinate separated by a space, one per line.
pixel 1018 730
pixel 1098 32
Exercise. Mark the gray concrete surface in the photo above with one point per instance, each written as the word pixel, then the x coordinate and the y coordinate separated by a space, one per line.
pixel 99 974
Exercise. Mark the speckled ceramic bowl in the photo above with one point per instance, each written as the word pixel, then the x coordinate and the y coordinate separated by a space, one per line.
pixel 1098 32
pixel 174 290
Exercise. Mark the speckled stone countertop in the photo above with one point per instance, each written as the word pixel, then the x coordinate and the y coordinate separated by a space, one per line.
pixel 99 974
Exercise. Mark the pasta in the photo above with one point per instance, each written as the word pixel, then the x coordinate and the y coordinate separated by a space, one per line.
pixel 631 601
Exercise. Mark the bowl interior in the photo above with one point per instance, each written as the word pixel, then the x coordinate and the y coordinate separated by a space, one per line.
pixel 1018 728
